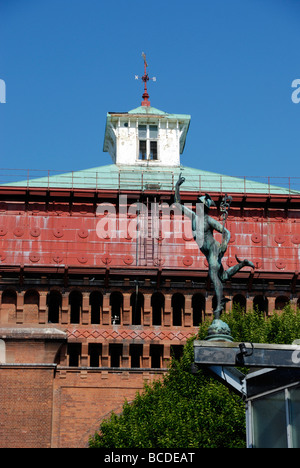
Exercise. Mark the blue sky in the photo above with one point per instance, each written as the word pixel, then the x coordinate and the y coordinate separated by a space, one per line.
pixel 228 63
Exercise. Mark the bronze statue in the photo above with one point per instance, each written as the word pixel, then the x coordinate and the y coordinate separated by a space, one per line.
pixel 212 249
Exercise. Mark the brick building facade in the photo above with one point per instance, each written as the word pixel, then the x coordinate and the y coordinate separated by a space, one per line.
pixel 98 290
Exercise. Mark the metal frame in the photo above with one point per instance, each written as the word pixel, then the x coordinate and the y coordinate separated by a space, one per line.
pixel 279 372
pixel 249 415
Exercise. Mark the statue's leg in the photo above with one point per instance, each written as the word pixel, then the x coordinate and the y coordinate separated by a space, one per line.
pixel 214 274
pixel 226 275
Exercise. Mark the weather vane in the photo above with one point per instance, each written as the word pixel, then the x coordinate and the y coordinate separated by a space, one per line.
pixel 145 78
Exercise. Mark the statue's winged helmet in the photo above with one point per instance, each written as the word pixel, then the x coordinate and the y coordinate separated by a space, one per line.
pixel 206 200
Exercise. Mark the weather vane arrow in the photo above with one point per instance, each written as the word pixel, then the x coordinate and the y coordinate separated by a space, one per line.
pixel 145 78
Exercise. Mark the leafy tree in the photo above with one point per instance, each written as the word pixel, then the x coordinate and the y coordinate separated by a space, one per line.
pixel 185 410
pixel 282 327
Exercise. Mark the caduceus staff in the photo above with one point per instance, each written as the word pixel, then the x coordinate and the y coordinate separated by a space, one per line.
pixel 224 208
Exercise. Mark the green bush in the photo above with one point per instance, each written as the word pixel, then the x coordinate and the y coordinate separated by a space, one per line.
pixel 281 328
pixel 185 410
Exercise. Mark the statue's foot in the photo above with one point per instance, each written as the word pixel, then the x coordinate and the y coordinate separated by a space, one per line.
pixel 223 302
pixel 245 262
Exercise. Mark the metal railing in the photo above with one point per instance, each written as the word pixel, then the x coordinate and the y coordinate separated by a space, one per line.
pixel 157 179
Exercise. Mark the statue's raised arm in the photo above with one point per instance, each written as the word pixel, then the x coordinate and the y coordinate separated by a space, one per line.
pixel 185 210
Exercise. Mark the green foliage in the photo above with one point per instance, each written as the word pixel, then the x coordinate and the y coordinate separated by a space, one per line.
pixel 282 327
pixel 180 411
pixel 184 410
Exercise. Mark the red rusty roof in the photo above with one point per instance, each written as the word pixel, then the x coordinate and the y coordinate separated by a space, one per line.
pixel 59 228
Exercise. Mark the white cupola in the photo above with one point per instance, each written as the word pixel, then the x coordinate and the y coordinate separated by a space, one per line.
pixel 145 136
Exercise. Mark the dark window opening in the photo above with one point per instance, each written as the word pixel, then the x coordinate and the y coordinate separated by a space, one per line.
pixel 9 297
pixel 157 303
pixel 176 351
pixel 136 352
pixel 32 297
pixel 239 302
pixel 137 305
pixel 95 352
pixel 143 150
pixel 96 301
pixel 156 354
pixel 116 303
pixel 148 135
pixel 54 301
pixel 281 302
pixel 75 301
pixel 260 303
pixel 178 308
pixel 115 351
pixel 74 353
pixel 153 150
pixel 198 305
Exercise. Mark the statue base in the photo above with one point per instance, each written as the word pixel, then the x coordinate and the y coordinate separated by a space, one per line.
pixel 219 331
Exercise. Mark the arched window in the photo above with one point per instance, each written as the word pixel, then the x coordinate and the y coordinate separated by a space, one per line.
pixel 116 304
pixel 158 305
pixel 178 309
pixel 198 305
pixel 32 297
pixel 75 302
pixel 261 304
pixel 137 307
pixel 239 302
pixel 9 297
pixel 96 302
pixel 54 302
pixel 281 302
pixel 8 306
pixel 31 306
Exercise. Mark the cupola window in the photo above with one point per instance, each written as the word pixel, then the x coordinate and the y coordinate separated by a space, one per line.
pixel 148 135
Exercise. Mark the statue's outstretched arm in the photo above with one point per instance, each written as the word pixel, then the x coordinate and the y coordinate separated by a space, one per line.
pixel 187 211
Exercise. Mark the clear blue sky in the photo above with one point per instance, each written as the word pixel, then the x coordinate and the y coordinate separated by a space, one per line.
pixel 228 63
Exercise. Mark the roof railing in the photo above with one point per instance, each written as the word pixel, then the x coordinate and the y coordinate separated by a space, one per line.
pixel 160 180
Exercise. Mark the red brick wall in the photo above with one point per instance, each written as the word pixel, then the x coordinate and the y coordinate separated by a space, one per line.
pixel 26 395
pixel 83 398
pixel 40 408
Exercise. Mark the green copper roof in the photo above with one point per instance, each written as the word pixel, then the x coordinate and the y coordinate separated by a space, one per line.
pixel 150 177
pixel 143 110
pixel 147 110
